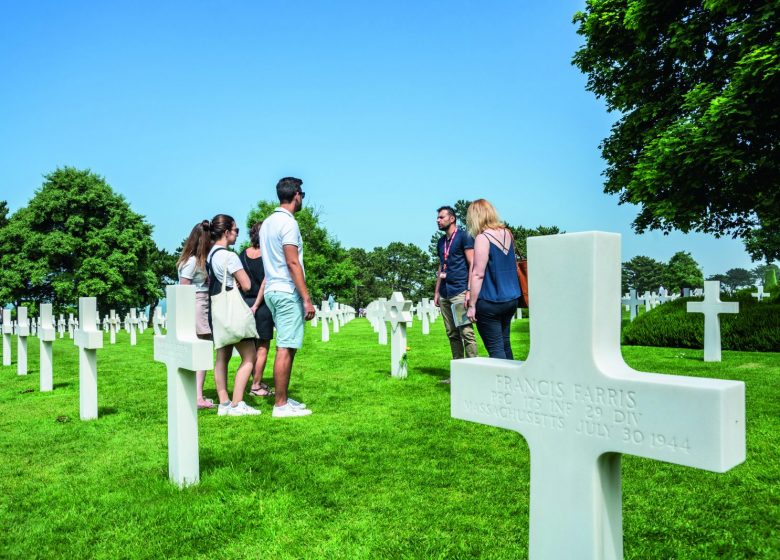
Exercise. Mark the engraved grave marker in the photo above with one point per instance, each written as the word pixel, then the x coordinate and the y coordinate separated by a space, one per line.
pixel 580 406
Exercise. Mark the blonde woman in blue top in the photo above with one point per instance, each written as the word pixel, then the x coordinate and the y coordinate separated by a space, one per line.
pixel 494 286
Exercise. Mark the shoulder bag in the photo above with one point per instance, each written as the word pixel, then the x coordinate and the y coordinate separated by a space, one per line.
pixel 232 320
pixel 522 275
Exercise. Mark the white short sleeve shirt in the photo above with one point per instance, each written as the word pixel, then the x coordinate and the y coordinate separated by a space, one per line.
pixel 221 259
pixel 278 230
pixel 198 277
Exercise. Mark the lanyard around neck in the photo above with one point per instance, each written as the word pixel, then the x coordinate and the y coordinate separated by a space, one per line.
pixel 447 247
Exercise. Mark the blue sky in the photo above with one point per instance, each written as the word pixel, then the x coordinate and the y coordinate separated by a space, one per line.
pixel 386 110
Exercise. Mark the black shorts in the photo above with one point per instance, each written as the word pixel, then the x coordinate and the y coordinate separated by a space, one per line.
pixel 263 320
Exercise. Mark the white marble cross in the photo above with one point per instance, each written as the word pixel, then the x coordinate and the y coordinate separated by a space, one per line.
pixel 46 335
pixel 132 324
pixel 184 354
pixel 324 315
pixel 632 302
pixel 113 323
pixel 61 326
pixel 157 321
pixel 712 307
pixel 760 294
pixel 381 322
pixel 646 297
pixel 88 338
pixel 22 332
pixel 335 317
pixel 8 330
pixel 580 406
pixel 399 312
pixel 426 320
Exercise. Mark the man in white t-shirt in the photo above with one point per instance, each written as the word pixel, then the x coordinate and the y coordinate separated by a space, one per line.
pixel 285 289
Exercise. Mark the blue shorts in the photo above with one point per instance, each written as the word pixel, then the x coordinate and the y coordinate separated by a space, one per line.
pixel 287 311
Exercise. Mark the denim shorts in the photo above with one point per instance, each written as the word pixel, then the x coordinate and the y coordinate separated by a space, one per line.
pixel 287 311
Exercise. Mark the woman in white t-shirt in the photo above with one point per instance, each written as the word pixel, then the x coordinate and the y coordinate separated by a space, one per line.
pixel 192 270
pixel 224 234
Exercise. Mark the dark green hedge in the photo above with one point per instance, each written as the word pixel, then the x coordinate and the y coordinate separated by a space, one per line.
pixel 755 328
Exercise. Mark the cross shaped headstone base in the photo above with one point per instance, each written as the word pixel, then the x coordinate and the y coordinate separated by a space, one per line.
pixel 184 354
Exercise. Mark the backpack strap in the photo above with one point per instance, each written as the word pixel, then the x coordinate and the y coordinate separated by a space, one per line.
pixel 210 270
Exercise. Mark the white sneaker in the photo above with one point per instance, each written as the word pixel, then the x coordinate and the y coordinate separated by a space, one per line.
pixel 222 409
pixel 295 404
pixel 242 409
pixel 288 411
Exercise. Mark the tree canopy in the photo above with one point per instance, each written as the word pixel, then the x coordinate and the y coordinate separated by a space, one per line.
pixel 682 271
pixel 78 238
pixel 696 84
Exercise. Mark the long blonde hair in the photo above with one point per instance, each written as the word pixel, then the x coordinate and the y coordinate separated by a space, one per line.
pixel 482 215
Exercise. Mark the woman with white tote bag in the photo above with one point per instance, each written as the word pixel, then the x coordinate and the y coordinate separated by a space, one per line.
pixel 224 265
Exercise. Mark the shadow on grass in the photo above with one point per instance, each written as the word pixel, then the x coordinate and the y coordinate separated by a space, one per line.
pixel 106 411
pixel 441 373
pixel 61 385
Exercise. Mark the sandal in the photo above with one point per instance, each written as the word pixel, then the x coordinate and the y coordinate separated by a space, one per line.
pixel 207 403
pixel 261 392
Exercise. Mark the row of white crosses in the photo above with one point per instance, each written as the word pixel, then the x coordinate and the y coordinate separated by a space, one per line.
pixel 45 328
pixel 651 300
pixel 339 315
pixel 580 406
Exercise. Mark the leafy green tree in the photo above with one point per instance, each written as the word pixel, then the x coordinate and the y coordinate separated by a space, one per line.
pixel 328 267
pixel 737 278
pixel 682 271
pixel 3 213
pixel 643 274
pixel 723 279
pixel 402 267
pixel 78 238
pixel 770 279
pixel 163 264
pixel 764 273
pixel 522 234
pixel 696 84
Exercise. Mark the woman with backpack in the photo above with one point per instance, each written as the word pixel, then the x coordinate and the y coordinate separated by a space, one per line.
pixel 224 263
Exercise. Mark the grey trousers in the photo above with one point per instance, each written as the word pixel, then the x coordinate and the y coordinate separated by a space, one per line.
pixel 462 341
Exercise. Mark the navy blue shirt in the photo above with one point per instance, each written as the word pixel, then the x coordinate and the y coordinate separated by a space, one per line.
pixel 457 267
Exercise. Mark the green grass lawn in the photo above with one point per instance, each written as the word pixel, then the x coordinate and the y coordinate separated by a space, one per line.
pixel 379 471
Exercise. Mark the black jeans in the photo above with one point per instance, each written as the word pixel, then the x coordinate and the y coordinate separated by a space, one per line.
pixel 493 320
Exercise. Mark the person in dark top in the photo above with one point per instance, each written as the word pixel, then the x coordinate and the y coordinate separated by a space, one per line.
pixel 455 249
pixel 252 260
pixel 495 289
